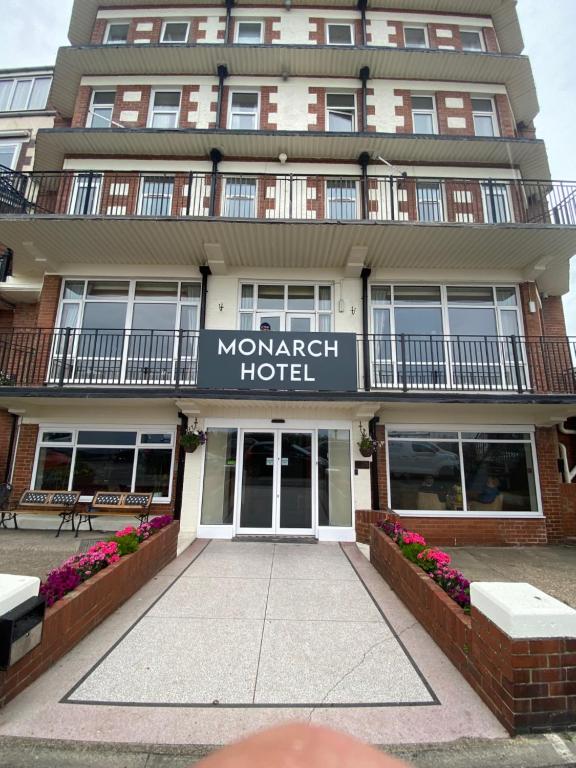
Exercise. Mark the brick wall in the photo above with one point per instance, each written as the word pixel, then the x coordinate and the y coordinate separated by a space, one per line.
pixel 530 685
pixel 318 32
pixel 24 461
pixel 136 109
pixel 70 620
pixel 317 110
pixel 5 432
pixel 568 510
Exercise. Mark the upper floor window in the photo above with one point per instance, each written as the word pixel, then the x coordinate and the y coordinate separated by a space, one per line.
pixel 341 109
pixel 249 32
pixel 429 198
pixel 175 32
pixel 156 193
pixel 339 34
pixel 9 152
pixel 341 199
pixel 415 37
pixel 165 109
pixel 423 114
pixel 101 109
pixel 297 307
pixel 85 199
pixel 117 34
pixel 244 110
pixel 484 117
pixel 23 94
pixel 472 40
pixel 240 198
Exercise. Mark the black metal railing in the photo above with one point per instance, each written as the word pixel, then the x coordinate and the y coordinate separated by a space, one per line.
pixel 93 357
pixel 288 197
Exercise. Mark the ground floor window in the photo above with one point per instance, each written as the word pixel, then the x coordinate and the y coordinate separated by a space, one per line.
pixel 89 459
pixel 462 471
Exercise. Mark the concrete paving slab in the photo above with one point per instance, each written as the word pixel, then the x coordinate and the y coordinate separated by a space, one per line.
pixel 327 569
pixel 323 600
pixel 211 597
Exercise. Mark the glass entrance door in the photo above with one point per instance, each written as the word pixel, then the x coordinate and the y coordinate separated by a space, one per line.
pixel 276 494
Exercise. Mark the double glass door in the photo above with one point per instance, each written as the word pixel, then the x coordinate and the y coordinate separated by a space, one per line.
pixel 277 471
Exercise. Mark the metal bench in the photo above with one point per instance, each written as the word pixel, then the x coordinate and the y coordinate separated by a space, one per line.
pixel 61 503
pixel 112 503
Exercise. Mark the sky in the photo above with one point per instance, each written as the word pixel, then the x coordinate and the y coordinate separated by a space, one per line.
pixel 33 30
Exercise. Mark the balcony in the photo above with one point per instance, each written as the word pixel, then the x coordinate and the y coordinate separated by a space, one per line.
pixel 63 359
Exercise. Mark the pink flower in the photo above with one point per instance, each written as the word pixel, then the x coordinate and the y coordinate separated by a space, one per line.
pixel 409 537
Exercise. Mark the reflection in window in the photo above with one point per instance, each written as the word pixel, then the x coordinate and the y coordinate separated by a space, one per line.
pixel 334 481
pixel 219 477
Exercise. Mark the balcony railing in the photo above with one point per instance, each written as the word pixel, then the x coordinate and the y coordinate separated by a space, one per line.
pixel 92 357
pixel 293 197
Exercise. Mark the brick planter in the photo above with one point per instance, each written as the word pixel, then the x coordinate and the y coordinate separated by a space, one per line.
pixel 69 620
pixel 530 685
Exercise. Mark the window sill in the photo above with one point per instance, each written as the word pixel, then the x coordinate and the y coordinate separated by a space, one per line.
pixel 471 515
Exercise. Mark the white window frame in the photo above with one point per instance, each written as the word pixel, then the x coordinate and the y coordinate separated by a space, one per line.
pixel 476 31
pixel 422 28
pixel 140 430
pixel 487 207
pixel 480 113
pixel 90 116
pixel 17 148
pixel 357 199
pixel 226 197
pixel 79 178
pixel 254 312
pixel 242 20
pixel 344 110
pixel 142 196
pixel 256 113
pixel 440 200
pixel 167 110
pixel 340 24
pixel 32 80
pixel 165 23
pixel 459 429
pixel 431 112
pixel 116 23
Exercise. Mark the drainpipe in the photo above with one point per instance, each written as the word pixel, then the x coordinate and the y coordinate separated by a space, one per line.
pixel 364 275
pixel 180 471
pixel 216 157
pixel 6 262
pixel 362 8
pixel 374 484
pixel 11 447
pixel 229 6
pixel 364 161
pixel 364 76
pixel 222 75
pixel 205 271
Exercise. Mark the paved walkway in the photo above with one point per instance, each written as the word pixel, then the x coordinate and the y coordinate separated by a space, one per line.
pixel 551 569
pixel 232 637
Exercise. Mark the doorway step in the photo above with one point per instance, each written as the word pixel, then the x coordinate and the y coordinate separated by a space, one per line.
pixel 265 538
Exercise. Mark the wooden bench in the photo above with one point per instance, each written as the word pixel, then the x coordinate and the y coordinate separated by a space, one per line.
pixel 61 503
pixel 112 503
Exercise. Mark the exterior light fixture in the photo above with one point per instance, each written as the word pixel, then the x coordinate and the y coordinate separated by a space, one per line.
pixel 282 157
pixel 221 307
pixel 288 4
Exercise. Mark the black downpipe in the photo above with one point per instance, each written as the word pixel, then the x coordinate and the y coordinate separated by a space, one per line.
pixel 374 486
pixel 6 262
pixel 216 157
pixel 364 160
pixel 11 448
pixel 180 471
pixel 362 8
pixel 364 76
pixel 229 6
pixel 222 75
pixel 365 274
pixel 205 271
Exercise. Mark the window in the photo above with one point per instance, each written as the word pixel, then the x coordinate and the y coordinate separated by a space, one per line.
pixel 334 481
pixel 156 194
pixel 219 477
pixel 117 34
pixel 295 307
pixel 86 194
pixel 23 94
pixel 496 205
pixel 244 110
pixel 339 34
pixel 483 114
pixel 175 32
pixel 476 472
pixel 240 198
pixel 165 110
pixel 341 108
pixel 423 114
pixel 472 40
pixel 341 199
pixel 429 200
pixel 91 459
pixel 249 32
pixel 9 152
pixel 101 109
pixel 415 37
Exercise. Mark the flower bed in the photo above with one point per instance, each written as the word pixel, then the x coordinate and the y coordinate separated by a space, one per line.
pixel 81 567
pixel 432 560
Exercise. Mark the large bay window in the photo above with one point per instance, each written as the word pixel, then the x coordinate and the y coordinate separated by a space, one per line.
pixel 90 459
pixel 294 307
pixel 474 471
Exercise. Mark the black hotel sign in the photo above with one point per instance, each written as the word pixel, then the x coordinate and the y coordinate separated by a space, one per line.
pixel 272 360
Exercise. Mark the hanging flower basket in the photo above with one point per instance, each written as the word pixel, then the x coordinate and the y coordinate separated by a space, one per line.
pixel 192 439
pixel 366 445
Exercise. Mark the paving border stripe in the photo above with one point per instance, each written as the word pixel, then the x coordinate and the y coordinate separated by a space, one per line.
pixel 395 634
pixel 94 667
